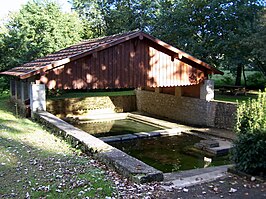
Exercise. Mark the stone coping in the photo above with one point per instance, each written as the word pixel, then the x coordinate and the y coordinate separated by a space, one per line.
pixel 193 177
pixel 161 121
pixel 166 132
pixel 127 165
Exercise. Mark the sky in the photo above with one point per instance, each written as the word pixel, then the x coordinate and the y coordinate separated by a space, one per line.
pixel 7 6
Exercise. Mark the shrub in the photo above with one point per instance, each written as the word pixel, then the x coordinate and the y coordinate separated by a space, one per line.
pixel 4 84
pixel 256 80
pixel 251 115
pixel 249 152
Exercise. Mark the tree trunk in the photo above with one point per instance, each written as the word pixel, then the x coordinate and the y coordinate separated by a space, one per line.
pixel 238 75
pixel 244 76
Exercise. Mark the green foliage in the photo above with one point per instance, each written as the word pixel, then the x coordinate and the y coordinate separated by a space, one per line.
pixel 111 16
pixel 249 152
pixel 39 28
pixel 91 15
pixel 4 84
pixel 256 43
pixel 251 115
pixel 218 32
pixel 256 81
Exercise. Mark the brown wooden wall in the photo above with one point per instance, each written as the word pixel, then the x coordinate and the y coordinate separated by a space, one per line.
pixel 131 64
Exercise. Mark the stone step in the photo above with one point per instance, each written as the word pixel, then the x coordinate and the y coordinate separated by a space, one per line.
pixel 217 147
pixel 207 144
pixel 218 151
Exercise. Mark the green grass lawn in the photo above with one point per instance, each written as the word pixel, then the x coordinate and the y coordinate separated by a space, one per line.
pixel 233 98
pixel 36 164
pixel 255 79
pixel 79 94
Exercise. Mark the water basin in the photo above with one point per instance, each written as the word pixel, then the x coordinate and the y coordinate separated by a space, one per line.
pixel 103 128
pixel 170 153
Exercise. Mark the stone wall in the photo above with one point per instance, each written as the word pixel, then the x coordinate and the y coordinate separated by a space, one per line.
pixel 187 110
pixel 191 111
pixel 64 107
pixel 225 115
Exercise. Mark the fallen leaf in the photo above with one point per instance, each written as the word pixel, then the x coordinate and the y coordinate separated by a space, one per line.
pixel 185 190
pixel 232 190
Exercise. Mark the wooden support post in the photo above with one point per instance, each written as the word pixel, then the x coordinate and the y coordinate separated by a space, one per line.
pixel 178 91
pixel 16 89
pixel 11 88
pixel 158 90
pixel 22 92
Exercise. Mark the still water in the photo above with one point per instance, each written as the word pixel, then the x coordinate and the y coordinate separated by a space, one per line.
pixel 168 154
pixel 115 127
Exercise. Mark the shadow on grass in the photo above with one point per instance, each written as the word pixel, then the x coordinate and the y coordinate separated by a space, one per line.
pixel 25 168
pixel 234 98
pixel 5 127
pixel 6 105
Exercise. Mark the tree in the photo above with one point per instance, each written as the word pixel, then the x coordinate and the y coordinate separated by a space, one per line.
pixel 37 29
pixel 90 12
pixel 107 17
pixel 215 31
pixel 257 43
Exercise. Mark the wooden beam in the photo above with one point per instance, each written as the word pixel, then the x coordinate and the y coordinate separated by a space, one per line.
pixel 178 91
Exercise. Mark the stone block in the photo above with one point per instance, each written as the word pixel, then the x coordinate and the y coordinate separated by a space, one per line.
pixel 207 144
pixel 37 97
pixel 207 90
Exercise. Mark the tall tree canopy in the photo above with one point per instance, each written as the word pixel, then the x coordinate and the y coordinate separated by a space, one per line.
pixel 216 31
pixel 107 17
pixel 37 29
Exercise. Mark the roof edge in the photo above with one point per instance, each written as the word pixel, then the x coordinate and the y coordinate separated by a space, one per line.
pixel 140 34
pixel 182 53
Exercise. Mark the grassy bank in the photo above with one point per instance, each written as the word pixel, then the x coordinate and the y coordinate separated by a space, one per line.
pixel 255 80
pixel 80 94
pixel 34 163
pixel 232 98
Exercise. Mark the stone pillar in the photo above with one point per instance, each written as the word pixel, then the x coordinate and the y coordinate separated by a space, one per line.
pixel 207 90
pixel 178 91
pixel 37 98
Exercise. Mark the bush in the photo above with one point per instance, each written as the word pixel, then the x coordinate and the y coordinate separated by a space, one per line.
pixel 249 152
pixel 4 84
pixel 256 80
pixel 251 115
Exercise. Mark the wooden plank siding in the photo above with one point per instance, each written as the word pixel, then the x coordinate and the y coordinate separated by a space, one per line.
pixel 131 64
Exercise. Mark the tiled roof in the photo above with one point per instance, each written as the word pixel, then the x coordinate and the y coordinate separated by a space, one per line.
pixel 84 48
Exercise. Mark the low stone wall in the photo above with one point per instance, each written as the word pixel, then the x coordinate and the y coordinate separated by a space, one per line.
pixel 225 115
pixel 126 165
pixel 76 106
pixel 187 110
